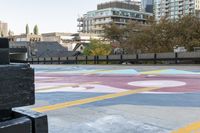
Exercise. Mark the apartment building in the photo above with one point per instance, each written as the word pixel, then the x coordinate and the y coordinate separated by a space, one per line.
pixel 147 5
pixel 118 12
pixel 3 29
pixel 173 9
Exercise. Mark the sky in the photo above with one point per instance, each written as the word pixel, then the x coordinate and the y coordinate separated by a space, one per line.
pixel 49 15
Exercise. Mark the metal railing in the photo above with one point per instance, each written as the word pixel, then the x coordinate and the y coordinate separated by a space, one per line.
pixel 154 58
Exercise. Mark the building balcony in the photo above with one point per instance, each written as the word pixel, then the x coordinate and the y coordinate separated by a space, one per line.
pixel 80 30
pixel 180 13
pixel 80 19
pixel 191 7
pixel 80 25
pixel 180 3
pixel 102 22
pixel 97 28
pixel 191 2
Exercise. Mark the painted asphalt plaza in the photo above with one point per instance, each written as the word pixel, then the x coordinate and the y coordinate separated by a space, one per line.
pixel 119 99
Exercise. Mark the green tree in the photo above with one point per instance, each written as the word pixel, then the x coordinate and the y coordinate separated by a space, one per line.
pixel 123 36
pixel 97 47
pixel 114 34
pixel 27 29
pixel 131 37
pixel 157 37
pixel 36 30
pixel 188 32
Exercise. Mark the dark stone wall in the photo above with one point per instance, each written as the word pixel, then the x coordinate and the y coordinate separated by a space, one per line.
pixel 16 86
pixel 4 51
pixel 17 90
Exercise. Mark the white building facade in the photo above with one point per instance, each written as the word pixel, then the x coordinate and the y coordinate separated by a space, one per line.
pixel 118 12
pixel 3 29
pixel 173 9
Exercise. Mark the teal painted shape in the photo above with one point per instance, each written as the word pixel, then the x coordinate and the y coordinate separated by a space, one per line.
pixel 123 71
pixel 175 71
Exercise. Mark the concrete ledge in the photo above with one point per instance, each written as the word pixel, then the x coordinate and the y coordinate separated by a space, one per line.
pixel 39 120
pixel 16 86
pixel 18 125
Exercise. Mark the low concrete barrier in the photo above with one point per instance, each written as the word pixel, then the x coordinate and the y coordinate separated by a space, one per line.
pixel 146 56
pixel 81 58
pixel 134 58
pixel 189 55
pixel 130 57
pixel 166 56
pixel 114 57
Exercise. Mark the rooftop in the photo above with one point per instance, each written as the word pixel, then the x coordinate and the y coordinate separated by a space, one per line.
pixel 118 4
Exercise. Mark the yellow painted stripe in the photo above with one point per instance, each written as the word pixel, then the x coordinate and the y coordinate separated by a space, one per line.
pixel 62 86
pixel 46 80
pixel 90 100
pixel 192 128
pixel 97 71
pixel 152 72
